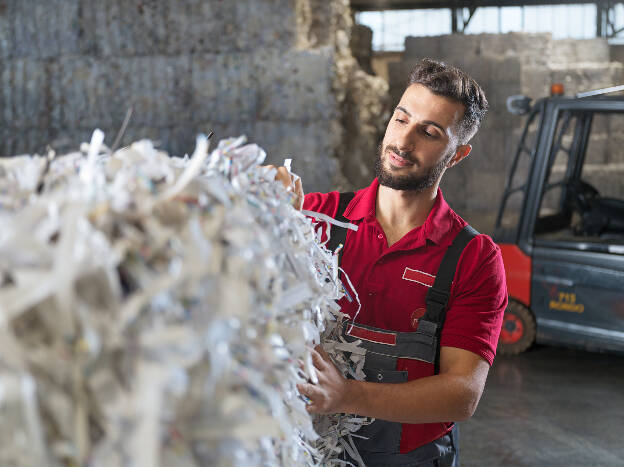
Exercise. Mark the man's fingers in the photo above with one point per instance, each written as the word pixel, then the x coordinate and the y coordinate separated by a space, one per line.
pixel 299 194
pixel 309 390
pixel 324 355
pixel 283 175
pixel 287 179
pixel 318 360
pixel 298 188
pixel 322 352
pixel 312 408
pixel 305 388
pixel 314 394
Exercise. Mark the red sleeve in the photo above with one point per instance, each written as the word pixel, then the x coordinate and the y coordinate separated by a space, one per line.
pixel 478 300
pixel 327 203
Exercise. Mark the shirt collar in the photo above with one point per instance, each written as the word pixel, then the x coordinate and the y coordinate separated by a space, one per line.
pixel 439 221
pixel 363 203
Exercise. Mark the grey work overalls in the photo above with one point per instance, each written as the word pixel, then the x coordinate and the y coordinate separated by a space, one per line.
pixel 380 447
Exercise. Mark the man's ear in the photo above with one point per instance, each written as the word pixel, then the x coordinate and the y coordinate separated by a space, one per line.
pixel 461 152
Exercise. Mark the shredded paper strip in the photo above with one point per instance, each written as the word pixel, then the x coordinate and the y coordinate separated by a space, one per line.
pixel 159 311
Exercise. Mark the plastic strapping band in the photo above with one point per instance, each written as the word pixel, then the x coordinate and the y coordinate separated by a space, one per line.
pixel 330 220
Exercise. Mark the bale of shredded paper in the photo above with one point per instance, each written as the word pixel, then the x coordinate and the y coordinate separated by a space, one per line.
pixel 154 311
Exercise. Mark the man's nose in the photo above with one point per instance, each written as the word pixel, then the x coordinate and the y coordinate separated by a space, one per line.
pixel 406 139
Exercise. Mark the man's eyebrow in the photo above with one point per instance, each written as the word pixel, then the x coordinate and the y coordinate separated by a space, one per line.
pixel 437 125
pixel 403 109
pixel 426 122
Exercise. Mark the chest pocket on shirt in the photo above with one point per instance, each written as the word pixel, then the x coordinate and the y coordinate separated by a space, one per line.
pixel 415 284
pixel 402 299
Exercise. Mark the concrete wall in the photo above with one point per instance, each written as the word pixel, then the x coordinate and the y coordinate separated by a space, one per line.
pixel 279 71
pixel 505 65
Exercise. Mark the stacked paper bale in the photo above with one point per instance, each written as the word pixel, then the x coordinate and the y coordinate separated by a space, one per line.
pixel 279 71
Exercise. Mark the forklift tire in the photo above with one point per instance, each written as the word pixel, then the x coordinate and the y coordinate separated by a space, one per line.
pixel 518 331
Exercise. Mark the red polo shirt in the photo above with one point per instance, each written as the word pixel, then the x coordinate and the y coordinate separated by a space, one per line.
pixel 391 283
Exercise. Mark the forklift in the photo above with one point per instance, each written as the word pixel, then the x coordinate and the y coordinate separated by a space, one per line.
pixel 560 224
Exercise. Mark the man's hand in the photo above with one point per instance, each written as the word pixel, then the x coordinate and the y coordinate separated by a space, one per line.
pixel 453 394
pixel 331 393
pixel 288 180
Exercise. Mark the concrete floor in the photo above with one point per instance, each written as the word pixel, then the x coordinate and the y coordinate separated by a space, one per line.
pixel 549 407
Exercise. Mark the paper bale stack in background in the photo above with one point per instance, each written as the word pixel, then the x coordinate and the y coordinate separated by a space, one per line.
pixel 279 71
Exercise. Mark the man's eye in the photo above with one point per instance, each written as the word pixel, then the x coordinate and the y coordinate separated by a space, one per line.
pixel 399 120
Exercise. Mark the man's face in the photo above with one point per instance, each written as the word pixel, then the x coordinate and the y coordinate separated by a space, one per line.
pixel 420 140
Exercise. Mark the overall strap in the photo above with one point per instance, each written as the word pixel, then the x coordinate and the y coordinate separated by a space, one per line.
pixel 339 234
pixel 438 295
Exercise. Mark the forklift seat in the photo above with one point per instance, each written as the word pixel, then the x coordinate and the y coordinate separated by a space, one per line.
pixel 604 216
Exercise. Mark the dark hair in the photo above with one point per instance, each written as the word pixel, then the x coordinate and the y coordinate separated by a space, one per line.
pixel 449 81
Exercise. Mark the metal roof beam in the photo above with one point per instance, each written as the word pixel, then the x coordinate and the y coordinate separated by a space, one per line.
pixel 376 5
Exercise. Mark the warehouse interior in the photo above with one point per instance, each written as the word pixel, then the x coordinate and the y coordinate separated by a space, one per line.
pixel 305 80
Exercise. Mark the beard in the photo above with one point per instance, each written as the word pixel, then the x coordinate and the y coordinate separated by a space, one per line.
pixel 418 182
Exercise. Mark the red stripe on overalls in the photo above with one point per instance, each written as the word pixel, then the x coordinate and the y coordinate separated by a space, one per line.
pixel 379 337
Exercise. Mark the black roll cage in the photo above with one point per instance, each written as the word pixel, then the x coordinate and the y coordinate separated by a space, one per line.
pixel 548 113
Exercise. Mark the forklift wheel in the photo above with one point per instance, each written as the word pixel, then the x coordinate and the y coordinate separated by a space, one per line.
pixel 518 331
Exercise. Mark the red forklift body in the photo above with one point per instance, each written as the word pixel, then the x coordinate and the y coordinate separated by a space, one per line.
pixel 518 272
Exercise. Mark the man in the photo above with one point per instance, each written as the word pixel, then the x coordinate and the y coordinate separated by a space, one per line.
pixel 404 230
